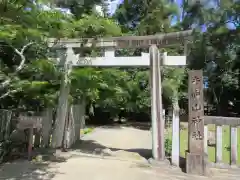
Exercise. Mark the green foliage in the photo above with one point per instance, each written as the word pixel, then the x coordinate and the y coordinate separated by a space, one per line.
pixel 95 26
pixel 86 131
pixel 38 81
pixel 146 17
pixel 168 146
pixel 36 85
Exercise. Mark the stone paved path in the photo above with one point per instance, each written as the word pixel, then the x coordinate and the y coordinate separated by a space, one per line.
pixel 82 165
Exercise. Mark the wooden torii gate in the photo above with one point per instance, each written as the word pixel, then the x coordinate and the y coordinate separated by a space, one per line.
pixel 67 58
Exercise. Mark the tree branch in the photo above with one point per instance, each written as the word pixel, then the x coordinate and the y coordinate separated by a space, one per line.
pixel 21 65
pixel 23 59
pixel 8 93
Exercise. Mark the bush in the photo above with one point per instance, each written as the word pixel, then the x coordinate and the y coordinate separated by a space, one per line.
pixel 168 146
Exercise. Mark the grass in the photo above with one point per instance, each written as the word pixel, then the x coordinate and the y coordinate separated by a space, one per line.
pixel 86 130
pixel 211 150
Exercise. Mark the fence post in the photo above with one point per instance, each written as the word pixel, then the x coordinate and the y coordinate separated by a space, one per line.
pixel 46 126
pixel 37 138
pixel 30 143
pixel 234 146
pixel 77 112
pixel 206 140
pixel 219 139
pixel 82 112
pixel 71 127
pixel 175 134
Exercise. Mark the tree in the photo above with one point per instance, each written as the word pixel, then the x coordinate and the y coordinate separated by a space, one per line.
pixel 91 26
pixel 31 80
pixel 152 17
pixel 217 48
pixel 146 17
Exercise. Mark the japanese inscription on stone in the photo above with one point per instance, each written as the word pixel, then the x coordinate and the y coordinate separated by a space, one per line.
pixel 196 109
pixel 195 156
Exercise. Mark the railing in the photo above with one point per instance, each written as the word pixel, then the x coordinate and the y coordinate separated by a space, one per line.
pixel 224 136
pixel 220 134
pixel 39 126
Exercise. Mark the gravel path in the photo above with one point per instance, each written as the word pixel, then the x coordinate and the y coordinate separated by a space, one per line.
pixel 80 164
pixel 119 138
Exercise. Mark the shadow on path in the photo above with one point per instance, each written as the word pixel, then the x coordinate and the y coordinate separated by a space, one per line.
pixel 32 170
pixel 26 170
pixel 92 147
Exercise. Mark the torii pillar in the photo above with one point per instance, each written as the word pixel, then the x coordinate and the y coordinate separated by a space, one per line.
pixel 152 41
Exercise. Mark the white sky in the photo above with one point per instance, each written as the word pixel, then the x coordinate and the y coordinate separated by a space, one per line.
pixel 113 5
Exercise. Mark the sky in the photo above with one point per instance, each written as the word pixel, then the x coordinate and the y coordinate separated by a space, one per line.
pixel 113 5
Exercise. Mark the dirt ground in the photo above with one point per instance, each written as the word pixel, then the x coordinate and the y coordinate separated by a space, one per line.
pixel 107 153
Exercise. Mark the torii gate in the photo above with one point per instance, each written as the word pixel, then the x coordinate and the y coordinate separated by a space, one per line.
pixel 153 59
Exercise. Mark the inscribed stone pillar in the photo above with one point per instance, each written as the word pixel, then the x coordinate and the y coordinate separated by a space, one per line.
pixel 195 156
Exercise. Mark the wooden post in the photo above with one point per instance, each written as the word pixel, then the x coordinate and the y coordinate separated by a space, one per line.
pixel 30 143
pixel 77 122
pixel 195 155
pixel 46 126
pixel 156 107
pixel 175 134
pixel 82 113
pixel 219 145
pixel 234 146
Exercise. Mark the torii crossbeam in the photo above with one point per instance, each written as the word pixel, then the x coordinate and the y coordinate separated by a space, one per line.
pixel 153 60
pixel 160 40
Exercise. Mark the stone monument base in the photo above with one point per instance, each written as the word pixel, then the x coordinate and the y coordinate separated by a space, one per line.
pixel 195 163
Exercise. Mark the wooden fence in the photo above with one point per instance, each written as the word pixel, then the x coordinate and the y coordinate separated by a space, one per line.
pixel 39 126
pixel 215 133
pixel 204 132
pixel 219 122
